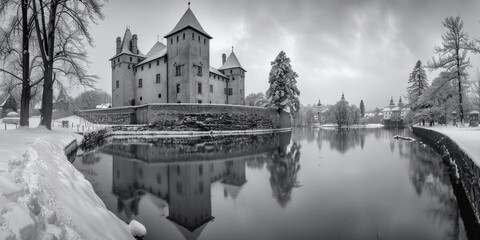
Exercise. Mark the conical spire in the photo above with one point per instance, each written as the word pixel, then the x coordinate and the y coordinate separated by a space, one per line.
pixel 343 97
pixel 188 20
pixel 231 62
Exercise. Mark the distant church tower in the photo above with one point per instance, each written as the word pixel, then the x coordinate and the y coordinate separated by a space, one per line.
pixel 188 51
pixel 236 85
pixel 123 81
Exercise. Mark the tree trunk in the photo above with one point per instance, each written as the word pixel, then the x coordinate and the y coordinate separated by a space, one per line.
pixel 47 98
pixel 460 105
pixel 25 100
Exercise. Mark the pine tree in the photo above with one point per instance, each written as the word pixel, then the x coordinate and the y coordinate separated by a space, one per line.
pixel 453 56
pixel 283 91
pixel 418 83
pixel 362 109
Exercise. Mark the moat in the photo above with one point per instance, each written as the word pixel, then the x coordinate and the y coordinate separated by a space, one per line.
pixel 304 184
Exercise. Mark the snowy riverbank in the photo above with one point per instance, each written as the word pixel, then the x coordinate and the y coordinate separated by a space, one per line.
pixel 43 196
pixel 467 138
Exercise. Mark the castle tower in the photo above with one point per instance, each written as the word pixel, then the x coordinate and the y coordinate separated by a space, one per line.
pixel 235 88
pixel 188 52
pixel 123 80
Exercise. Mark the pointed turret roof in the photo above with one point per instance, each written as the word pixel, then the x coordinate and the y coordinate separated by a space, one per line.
pixel 343 97
pixel 191 234
pixel 231 62
pixel 127 37
pixel 391 102
pixel 188 20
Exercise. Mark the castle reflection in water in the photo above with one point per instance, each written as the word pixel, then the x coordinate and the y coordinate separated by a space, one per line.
pixel 179 173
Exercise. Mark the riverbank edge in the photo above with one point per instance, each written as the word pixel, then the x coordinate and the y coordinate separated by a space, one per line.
pixel 91 139
pixel 466 172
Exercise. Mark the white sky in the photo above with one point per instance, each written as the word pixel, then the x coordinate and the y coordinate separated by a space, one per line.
pixel 365 48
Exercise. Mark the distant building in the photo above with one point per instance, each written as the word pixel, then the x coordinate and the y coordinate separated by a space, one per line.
pixel 395 116
pixel 7 104
pixel 178 72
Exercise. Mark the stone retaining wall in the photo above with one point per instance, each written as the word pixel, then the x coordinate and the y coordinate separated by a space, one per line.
pixel 466 172
pixel 201 117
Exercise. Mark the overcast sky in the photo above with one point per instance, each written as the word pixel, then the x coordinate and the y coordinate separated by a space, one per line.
pixel 365 48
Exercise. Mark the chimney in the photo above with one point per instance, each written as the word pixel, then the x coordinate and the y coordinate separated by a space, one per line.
pixel 119 45
pixel 224 58
pixel 134 44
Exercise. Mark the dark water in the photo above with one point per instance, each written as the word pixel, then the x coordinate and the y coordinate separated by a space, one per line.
pixel 305 184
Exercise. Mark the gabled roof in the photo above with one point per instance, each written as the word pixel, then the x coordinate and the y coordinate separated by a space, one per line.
pixel 188 20
pixel 232 62
pixel 158 50
pixel 215 71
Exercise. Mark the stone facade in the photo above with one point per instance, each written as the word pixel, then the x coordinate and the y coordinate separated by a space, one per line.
pixel 178 72
pixel 191 117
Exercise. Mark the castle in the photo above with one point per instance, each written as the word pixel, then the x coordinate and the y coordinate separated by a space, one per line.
pixel 179 72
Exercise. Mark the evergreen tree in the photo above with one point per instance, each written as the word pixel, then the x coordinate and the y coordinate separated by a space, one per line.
pixel 453 56
pixel 418 83
pixel 283 91
pixel 362 109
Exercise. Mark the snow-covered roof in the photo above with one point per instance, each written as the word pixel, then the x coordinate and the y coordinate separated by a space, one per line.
pixel 215 71
pixel 157 51
pixel 231 62
pixel 396 109
pixel 474 112
pixel 104 105
pixel 386 109
pixel 188 20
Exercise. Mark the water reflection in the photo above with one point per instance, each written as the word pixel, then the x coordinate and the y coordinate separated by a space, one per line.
pixel 368 186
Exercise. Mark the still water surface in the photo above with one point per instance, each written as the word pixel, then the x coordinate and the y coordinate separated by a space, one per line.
pixel 305 184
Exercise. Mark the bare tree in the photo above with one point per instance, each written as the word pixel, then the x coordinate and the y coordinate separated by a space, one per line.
pixel 452 56
pixel 17 63
pixel 61 27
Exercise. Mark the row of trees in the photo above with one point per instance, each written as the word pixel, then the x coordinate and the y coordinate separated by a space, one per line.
pixel 43 44
pixel 448 90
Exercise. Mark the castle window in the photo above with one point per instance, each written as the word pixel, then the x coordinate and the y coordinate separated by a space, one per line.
pixel 241 91
pixel 157 78
pixel 231 71
pixel 128 66
pixel 193 36
pixel 150 65
pixel 199 101
pixel 199 70
pixel 158 62
pixel 205 41
pixel 140 83
pixel 199 88
pixel 211 88
pixel 183 36
pixel 142 68
pixel 233 78
pixel 178 70
pixel 171 40
pixel 130 59
pixel 198 38
pixel 177 38
pixel 200 170
pixel 159 95
pixel 178 88
pixel 117 84
pixel 230 92
pixel 141 98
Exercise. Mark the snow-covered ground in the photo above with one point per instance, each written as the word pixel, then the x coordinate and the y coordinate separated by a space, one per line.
pixel 42 196
pixel 467 138
pixel 75 124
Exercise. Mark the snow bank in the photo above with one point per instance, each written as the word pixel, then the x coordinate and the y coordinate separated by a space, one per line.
pixel 467 138
pixel 43 196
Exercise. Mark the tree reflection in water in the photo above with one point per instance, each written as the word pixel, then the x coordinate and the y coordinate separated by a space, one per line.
pixel 284 165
